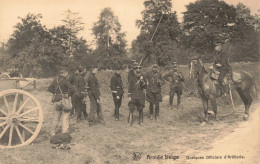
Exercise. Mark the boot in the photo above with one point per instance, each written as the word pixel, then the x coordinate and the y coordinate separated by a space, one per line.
pixel 141 118
pixel 130 120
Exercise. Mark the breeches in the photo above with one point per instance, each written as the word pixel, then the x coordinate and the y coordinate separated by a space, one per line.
pixel 136 103
pixel 117 103
pixel 58 112
pixel 94 108
pixel 178 91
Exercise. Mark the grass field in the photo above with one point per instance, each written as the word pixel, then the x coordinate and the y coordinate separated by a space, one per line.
pixel 176 133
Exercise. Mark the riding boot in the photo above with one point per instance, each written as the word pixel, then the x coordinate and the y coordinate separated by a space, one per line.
pixel 178 102
pixel 151 111
pixel 130 119
pixel 141 117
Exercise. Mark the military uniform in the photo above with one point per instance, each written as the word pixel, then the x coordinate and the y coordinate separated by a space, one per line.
pixel 94 97
pixel 176 78
pixel 136 86
pixel 153 90
pixel 73 78
pixel 80 104
pixel 117 92
pixel 60 83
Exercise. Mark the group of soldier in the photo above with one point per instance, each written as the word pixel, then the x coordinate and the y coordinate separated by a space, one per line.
pixel 76 86
pixel 141 87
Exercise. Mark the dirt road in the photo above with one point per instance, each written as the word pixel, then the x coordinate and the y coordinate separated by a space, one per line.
pixel 241 146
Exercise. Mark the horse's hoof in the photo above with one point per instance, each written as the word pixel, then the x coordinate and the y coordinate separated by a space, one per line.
pixel 245 117
pixel 203 123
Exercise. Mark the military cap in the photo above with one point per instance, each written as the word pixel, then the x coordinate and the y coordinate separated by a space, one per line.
pixel 138 67
pixel 155 66
pixel 63 70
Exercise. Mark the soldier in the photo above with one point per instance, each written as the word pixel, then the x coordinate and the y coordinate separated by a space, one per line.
pixel 80 103
pixel 59 87
pixel 131 69
pixel 222 65
pixel 176 79
pixel 153 90
pixel 73 78
pixel 117 91
pixel 94 97
pixel 136 86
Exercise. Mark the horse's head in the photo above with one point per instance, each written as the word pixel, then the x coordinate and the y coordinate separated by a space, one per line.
pixel 196 67
pixel 193 68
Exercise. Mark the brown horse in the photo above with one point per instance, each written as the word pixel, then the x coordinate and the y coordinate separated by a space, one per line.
pixel 209 91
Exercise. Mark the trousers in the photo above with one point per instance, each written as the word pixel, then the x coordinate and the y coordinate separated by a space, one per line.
pixel 94 108
pixel 57 114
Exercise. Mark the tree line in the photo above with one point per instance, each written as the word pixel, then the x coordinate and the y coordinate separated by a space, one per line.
pixel 36 50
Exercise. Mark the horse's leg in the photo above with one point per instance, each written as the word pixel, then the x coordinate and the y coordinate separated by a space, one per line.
pixel 213 102
pixel 246 98
pixel 205 106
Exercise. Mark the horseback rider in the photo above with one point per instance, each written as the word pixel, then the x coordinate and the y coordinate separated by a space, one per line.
pixel 221 64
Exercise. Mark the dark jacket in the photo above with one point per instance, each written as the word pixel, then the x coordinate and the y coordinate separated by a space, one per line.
pixel 136 87
pixel 64 84
pixel 93 86
pixel 175 78
pixel 221 60
pixel 73 79
pixel 81 84
pixel 154 82
pixel 131 73
pixel 117 85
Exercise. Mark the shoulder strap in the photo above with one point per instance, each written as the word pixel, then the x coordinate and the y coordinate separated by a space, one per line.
pixel 58 82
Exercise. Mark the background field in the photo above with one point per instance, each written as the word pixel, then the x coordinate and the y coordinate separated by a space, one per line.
pixel 177 132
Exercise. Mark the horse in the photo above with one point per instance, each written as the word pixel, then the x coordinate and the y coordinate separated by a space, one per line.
pixel 208 89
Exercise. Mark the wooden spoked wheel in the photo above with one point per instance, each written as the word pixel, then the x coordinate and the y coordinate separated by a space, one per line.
pixel 21 118
pixel 4 76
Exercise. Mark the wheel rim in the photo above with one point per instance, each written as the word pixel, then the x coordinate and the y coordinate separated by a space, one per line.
pixel 21 118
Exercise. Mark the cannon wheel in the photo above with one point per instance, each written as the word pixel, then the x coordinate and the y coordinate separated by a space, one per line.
pixel 4 76
pixel 21 118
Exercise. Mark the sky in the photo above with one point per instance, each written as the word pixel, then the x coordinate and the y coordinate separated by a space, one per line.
pixel 128 11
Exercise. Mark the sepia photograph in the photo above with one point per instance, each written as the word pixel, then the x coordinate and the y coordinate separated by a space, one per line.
pixel 129 81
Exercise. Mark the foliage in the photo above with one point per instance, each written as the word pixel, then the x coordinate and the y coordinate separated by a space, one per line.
pixel 159 34
pixel 109 38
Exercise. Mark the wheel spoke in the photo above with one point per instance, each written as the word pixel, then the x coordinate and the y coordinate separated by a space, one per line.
pixel 21 107
pixel 26 128
pixel 19 134
pixel 3 123
pixel 3 132
pixel 2 111
pixel 3 118
pixel 29 111
pixel 11 135
pixel 15 102
pixel 6 103
pixel 29 119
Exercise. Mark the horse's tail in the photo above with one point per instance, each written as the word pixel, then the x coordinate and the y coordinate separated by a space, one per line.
pixel 255 88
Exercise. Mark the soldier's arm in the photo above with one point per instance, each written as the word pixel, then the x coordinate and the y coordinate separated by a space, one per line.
pixel 143 82
pixel 181 76
pixel 113 85
pixel 162 81
pixel 166 77
pixel 69 86
pixel 51 87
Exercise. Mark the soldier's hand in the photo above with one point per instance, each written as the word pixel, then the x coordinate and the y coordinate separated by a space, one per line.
pixel 141 77
pixel 129 98
pixel 98 101
pixel 117 97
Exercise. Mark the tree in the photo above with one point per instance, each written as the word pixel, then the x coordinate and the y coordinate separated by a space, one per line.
pixel 159 34
pixel 207 22
pixel 73 24
pixel 109 38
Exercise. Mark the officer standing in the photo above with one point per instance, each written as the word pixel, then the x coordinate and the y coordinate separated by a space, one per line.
pixel 153 90
pixel 136 86
pixel 176 78
pixel 117 91
pixel 80 103
pixel 73 78
pixel 131 69
pixel 94 97
pixel 60 87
